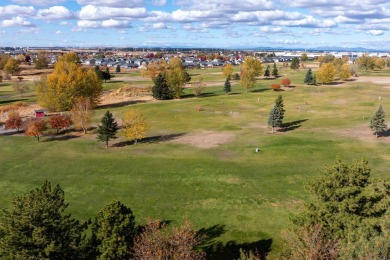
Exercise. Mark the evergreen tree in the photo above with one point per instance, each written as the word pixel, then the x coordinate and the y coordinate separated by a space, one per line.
pixel 107 129
pixel 309 77
pixel 267 72
pixel 279 104
pixel 227 87
pixel 274 118
pixel 118 69
pixel 294 63
pixel 113 232
pixel 160 89
pixel 275 71
pixel 99 72
pixel 37 228
pixel 347 204
pixel 377 122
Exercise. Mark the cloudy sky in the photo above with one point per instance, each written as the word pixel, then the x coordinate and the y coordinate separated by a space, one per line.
pixel 196 23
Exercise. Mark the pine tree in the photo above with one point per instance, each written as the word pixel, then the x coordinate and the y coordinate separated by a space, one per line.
pixel 107 129
pixel 275 71
pixel 347 203
pixel 227 87
pixel 294 63
pixel 274 118
pixel 160 89
pixel 308 77
pixel 113 232
pixel 37 228
pixel 267 72
pixel 377 122
pixel 279 104
pixel 118 69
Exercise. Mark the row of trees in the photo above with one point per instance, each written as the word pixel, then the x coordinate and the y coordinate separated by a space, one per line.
pixel 38 227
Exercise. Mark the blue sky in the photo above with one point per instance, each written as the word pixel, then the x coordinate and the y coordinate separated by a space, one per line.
pixel 195 23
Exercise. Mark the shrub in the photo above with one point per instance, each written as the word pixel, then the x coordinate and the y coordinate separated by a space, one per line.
pixel 285 82
pixel 275 87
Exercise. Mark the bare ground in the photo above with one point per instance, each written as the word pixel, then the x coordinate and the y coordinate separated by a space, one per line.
pixel 375 80
pixel 205 139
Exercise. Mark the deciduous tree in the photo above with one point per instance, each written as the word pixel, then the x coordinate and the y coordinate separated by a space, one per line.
pixel 285 82
pixel 14 121
pixel 20 88
pixel 36 128
pixel 156 242
pixel 3 60
pixel 59 122
pixel 326 73
pixel 36 227
pixel 134 125
pixel 82 113
pixel 366 62
pixel 227 71
pixel 68 82
pixel 107 129
pixel 275 87
pixel 345 72
pixel 251 69
pixel 198 87
pixel 12 66
pixel 41 60
pixel 377 122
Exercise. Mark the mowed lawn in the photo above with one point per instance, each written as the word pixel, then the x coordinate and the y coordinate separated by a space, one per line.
pixel 251 195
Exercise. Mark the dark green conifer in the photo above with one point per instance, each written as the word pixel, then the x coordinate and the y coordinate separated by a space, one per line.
pixel 107 129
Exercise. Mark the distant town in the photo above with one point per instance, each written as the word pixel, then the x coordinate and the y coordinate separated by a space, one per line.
pixel 132 58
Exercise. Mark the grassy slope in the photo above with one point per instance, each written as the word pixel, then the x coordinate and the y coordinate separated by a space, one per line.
pixel 251 194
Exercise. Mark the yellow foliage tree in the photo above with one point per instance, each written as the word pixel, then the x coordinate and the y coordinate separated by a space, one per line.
pixel 134 125
pixel 227 71
pixel 326 73
pixel 380 63
pixel 12 66
pixel 70 57
pixel 67 82
pixel 155 68
pixel 251 69
pixel 345 72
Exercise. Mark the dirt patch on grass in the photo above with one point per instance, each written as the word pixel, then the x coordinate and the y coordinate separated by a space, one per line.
pixel 362 132
pixel 375 80
pixel 205 139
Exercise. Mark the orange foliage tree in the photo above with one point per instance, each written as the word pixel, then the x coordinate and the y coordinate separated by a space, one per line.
pixel 285 82
pixel 14 121
pixel 59 122
pixel 36 128
pixel 275 87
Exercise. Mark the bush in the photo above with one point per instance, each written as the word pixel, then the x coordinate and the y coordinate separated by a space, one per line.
pixel 285 82
pixel 275 87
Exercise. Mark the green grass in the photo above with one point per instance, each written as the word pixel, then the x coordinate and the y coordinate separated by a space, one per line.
pixel 251 194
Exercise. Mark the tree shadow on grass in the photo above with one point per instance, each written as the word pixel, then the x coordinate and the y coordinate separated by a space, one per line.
pixel 290 126
pixel 217 250
pixel 3 102
pixel 121 104
pixel 61 138
pixel 207 94
pixel 115 81
pixel 260 90
pixel 384 133
pixel 150 140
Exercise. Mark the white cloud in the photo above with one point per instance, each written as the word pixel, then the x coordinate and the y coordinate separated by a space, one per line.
pixel 58 32
pixel 54 13
pixel 91 12
pixel 37 2
pixel 115 24
pixel 194 29
pixel 225 5
pixel 78 29
pixel 103 24
pixel 17 21
pixel 155 26
pixel 11 10
pixel 158 2
pixel 112 3
pixel 375 32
